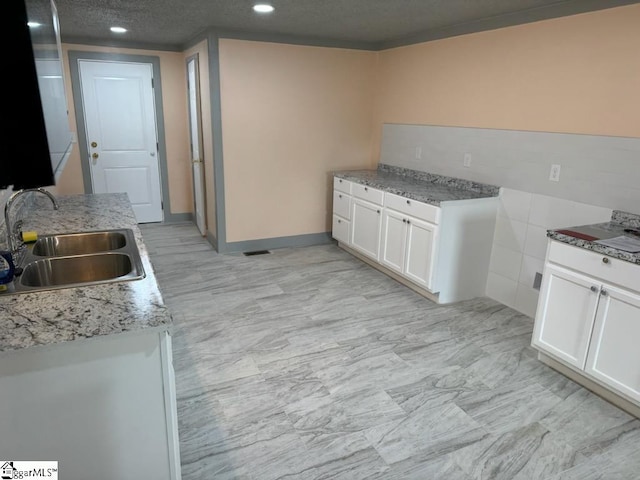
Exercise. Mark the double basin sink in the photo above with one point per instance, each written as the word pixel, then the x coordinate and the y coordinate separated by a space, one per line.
pixel 80 259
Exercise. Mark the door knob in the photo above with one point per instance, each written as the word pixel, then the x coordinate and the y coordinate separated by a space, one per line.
pixel 94 144
pixel 95 156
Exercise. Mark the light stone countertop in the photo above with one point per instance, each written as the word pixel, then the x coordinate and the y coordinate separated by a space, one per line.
pixel 420 186
pixel 619 221
pixel 614 228
pixel 63 315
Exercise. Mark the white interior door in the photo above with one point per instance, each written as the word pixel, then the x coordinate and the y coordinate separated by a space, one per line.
pixel 195 131
pixel 119 112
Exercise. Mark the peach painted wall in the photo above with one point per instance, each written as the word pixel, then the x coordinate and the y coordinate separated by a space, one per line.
pixel 174 99
pixel 207 138
pixel 577 74
pixel 291 114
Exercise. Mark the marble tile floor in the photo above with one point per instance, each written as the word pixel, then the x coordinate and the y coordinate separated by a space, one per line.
pixel 308 364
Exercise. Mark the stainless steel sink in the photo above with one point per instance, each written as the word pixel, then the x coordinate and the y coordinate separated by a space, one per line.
pixel 79 243
pixel 80 259
pixel 78 270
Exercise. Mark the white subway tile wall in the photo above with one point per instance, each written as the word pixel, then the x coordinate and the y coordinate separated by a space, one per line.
pixel 519 247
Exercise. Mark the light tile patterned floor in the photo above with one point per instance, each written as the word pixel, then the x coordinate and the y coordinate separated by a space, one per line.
pixel 308 364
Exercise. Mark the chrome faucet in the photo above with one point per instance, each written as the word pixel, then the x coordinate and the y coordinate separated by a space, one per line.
pixel 11 235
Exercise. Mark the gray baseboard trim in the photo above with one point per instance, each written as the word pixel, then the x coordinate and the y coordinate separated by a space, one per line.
pixel 178 217
pixel 212 240
pixel 307 240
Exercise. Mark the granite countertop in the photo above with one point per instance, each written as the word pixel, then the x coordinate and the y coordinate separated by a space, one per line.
pixel 585 236
pixel 62 315
pixel 420 186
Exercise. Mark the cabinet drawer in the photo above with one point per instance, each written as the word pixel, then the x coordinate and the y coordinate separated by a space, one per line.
pixel 367 193
pixel 342 185
pixel 342 204
pixel 611 270
pixel 340 229
pixel 420 210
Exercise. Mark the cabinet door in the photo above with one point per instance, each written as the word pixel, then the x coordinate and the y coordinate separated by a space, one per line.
pixel 420 257
pixel 392 247
pixel 614 354
pixel 565 315
pixel 366 220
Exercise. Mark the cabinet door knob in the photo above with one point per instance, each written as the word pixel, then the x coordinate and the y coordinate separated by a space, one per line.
pixel 594 289
pixel 605 260
pixel 340 221
pixel 366 189
pixel 340 181
pixel 408 202
pixel 339 196
pixel 408 222
pixel 404 220
pixel 378 211
pixel 604 293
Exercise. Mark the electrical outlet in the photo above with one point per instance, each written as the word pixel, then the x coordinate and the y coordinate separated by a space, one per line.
pixel 418 152
pixel 467 160
pixel 554 175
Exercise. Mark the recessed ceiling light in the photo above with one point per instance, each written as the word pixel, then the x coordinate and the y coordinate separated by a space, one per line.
pixel 263 8
pixel 34 24
pixel 118 30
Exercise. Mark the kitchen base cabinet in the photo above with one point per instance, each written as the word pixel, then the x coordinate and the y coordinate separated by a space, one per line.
pixel 588 317
pixel 408 247
pixel 98 407
pixel 440 251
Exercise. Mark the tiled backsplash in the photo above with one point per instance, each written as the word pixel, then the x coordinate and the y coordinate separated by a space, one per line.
pixel 596 170
pixel 520 242
pixel 598 174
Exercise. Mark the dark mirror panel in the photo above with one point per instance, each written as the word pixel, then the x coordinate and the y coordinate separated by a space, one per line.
pixel 38 138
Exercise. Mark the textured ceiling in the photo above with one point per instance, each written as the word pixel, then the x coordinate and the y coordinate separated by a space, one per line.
pixel 172 24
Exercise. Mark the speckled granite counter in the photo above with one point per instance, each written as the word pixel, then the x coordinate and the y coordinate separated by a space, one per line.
pixel 619 221
pixel 63 315
pixel 420 186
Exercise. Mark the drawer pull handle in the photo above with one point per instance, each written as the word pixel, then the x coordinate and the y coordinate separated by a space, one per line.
pixel 605 260
pixel 594 289
pixel 604 293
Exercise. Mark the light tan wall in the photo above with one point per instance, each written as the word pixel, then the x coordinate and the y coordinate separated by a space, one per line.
pixel 207 137
pixel 174 99
pixel 291 114
pixel 577 74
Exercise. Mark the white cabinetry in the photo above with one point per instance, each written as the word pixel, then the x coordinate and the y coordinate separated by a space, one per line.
pixel 366 220
pixel 441 251
pixel 94 406
pixel 588 317
pixel 341 224
pixel 409 240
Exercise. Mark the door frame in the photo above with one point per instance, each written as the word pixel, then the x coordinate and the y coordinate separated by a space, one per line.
pixel 195 58
pixel 76 90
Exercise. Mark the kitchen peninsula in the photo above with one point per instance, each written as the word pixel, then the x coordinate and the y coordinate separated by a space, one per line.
pixel 86 375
